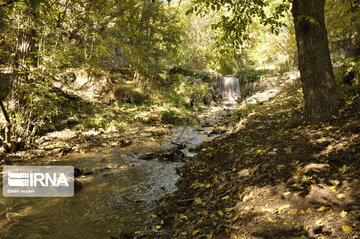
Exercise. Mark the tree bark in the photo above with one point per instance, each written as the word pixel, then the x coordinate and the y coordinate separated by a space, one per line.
pixel 24 57
pixel 7 135
pixel 317 77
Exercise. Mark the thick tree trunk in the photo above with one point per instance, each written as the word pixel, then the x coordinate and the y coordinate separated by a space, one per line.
pixel 23 59
pixel 317 77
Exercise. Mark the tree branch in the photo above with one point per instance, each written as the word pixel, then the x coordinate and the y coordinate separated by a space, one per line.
pixel 8 3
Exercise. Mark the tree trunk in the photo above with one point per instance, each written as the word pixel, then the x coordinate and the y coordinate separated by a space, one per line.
pixel 317 77
pixel 7 135
pixel 24 57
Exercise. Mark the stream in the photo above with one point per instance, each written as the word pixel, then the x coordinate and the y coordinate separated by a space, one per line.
pixel 118 196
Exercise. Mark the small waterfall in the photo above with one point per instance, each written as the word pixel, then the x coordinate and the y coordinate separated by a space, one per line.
pixel 229 88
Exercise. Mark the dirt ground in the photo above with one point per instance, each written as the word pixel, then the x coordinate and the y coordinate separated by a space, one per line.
pixel 277 177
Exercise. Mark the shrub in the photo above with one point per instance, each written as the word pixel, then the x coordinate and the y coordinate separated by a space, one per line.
pixel 251 75
pixel 128 94
pixel 170 117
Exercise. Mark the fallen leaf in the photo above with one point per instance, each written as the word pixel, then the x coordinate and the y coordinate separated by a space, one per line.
pixel 308 210
pixel 282 208
pixel 220 213
pixel 292 211
pixel 346 229
pixel 198 200
pixel 343 214
pixel 195 232
pixel 229 209
pixel 271 220
pixel 182 216
pixel 341 195
pixel 226 197
pixel 321 209
pixel 204 212
pixel 343 169
pixel 236 216
pixel 153 216
pixel 233 236
pixel 158 227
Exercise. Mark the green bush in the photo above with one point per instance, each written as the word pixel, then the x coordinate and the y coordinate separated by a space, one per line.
pixel 128 94
pixel 44 105
pixel 251 75
pixel 185 94
pixel 170 117
pixel 96 122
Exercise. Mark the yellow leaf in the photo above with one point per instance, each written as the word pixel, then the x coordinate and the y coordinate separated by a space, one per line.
pixel 343 214
pixel 321 209
pixel 308 210
pixel 302 212
pixel 195 232
pixel 349 102
pixel 198 200
pixel 209 236
pixel 236 216
pixel 182 216
pixel 292 211
pixel 341 195
pixel 153 216
pixel 220 213
pixel 282 208
pixel 233 236
pixel 158 227
pixel 271 220
pixel 346 229
pixel 226 197
pixel 229 209
pixel 343 169
pixel 162 222
pixel 208 185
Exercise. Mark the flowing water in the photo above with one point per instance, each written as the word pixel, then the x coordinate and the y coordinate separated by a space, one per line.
pixel 229 88
pixel 117 198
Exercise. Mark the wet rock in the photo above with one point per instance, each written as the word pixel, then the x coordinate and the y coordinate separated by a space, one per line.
pixel 148 156
pixel 219 130
pixel 125 142
pixel 77 186
pixel 172 156
pixel 78 172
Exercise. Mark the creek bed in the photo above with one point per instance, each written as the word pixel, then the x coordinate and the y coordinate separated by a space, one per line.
pixel 116 198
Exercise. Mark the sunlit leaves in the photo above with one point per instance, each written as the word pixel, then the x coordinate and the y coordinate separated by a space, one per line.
pixel 34 3
pixel 240 14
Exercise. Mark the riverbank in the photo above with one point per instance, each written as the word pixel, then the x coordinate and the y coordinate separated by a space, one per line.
pixel 277 177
